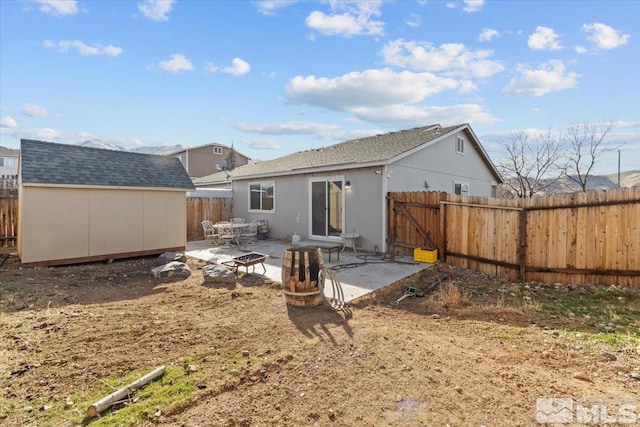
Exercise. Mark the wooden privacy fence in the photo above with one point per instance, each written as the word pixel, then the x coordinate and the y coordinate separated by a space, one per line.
pixel 8 221
pixel 580 238
pixel 200 209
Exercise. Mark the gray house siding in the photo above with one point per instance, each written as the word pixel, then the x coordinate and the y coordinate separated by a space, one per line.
pixel 441 166
pixel 374 166
pixel 363 205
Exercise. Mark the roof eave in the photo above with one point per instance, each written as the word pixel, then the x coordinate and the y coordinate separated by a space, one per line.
pixel 314 169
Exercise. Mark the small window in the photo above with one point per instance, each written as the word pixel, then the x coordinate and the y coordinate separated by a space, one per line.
pixel 217 150
pixel 494 191
pixel 459 145
pixel 262 196
pixel 461 188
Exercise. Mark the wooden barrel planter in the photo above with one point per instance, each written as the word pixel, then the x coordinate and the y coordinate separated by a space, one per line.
pixel 301 266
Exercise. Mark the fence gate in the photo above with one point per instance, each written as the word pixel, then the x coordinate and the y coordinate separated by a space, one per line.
pixel 413 221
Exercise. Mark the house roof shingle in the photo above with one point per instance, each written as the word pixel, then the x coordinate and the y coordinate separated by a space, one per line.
pixel 376 149
pixel 50 163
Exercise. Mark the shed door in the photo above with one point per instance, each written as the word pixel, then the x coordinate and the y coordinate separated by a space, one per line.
pixel 327 199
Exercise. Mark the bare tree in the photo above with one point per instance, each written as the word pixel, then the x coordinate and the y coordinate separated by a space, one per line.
pixel 585 142
pixel 532 162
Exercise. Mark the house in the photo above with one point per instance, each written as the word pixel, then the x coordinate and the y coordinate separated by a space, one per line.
pixel 205 159
pixel 80 204
pixel 341 189
pixel 8 170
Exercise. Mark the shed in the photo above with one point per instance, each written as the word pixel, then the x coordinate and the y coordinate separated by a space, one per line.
pixel 80 204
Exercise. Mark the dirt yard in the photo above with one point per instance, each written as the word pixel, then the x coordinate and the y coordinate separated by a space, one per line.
pixel 473 351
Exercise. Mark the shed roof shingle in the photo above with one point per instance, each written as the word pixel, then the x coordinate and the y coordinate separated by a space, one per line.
pixel 50 163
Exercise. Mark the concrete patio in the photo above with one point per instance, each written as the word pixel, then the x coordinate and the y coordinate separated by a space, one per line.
pixel 359 274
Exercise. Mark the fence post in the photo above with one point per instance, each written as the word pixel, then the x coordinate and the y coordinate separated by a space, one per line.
pixel 392 213
pixel 522 244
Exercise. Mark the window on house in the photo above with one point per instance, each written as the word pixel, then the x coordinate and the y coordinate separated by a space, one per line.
pixel 461 188
pixel 6 162
pixel 459 145
pixel 262 196
pixel 494 191
pixel 217 150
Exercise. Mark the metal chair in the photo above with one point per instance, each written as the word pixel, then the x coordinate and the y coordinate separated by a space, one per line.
pixel 249 232
pixel 226 233
pixel 209 231
pixel 237 220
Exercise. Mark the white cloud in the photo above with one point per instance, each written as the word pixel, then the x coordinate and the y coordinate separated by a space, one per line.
pixel 622 124
pixel 83 49
pixel 270 7
pixel 210 67
pixel 370 88
pixel 45 134
pixel 412 116
pixel 356 19
pixel 58 8
pixel 454 58
pixel 580 50
pixel 287 128
pixel 472 5
pixel 239 67
pixel 8 122
pixel 549 77
pixel 544 39
pixel 605 37
pixel 177 63
pixel 157 10
pixel 414 20
pixel 487 34
pixel 263 144
pixel 33 110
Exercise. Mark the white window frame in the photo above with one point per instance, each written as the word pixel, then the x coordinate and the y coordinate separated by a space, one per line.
pixel 462 185
pixel 217 150
pixel 262 185
pixel 459 145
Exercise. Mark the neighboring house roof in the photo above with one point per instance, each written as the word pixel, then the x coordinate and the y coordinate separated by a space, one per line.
pixel 218 178
pixel 50 163
pixel 9 152
pixel 214 144
pixel 361 152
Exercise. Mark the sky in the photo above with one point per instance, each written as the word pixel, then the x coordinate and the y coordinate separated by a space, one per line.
pixel 275 77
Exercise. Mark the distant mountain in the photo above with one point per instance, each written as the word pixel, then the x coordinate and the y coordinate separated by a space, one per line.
pixel 161 150
pixel 99 143
pixel 595 182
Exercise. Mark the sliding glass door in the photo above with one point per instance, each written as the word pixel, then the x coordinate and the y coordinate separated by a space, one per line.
pixel 327 201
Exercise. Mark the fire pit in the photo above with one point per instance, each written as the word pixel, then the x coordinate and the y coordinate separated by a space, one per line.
pixel 250 259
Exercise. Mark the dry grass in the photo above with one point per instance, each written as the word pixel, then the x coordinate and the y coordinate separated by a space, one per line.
pixel 451 296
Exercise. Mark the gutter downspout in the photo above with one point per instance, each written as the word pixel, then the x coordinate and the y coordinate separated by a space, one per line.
pixel 385 186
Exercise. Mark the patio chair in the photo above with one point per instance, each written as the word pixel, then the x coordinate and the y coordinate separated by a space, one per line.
pixel 250 232
pixel 237 220
pixel 227 233
pixel 209 231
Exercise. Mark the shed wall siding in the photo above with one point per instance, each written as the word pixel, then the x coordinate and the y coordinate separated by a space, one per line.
pixel 55 224
pixel 67 223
